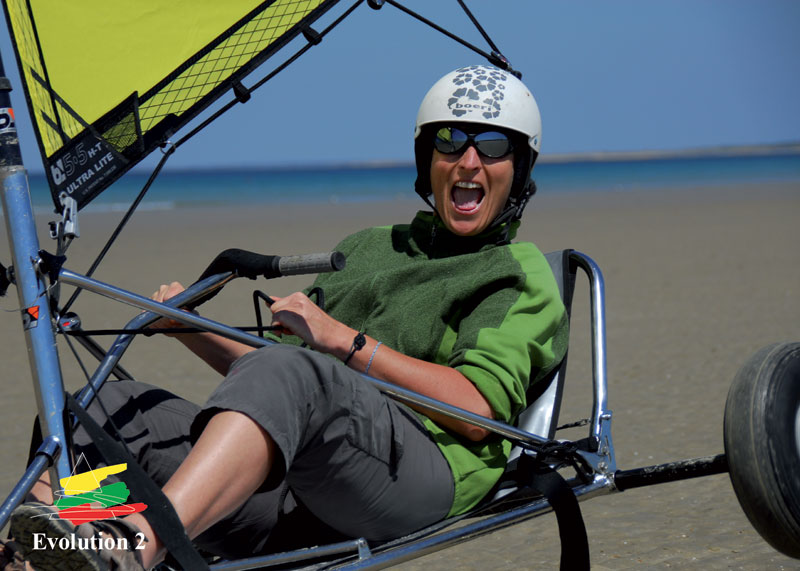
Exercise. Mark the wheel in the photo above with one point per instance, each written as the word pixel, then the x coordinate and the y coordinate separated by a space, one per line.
pixel 762 443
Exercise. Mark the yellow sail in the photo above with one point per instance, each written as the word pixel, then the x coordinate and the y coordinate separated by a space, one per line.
pixel 107 81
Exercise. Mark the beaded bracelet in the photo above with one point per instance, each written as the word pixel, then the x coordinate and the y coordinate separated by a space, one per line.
pixel 375 350
pixel 358 344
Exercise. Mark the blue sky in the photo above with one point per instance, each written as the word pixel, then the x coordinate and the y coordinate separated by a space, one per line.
pixel 609 76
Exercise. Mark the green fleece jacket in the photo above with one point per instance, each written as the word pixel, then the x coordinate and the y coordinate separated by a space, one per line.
pixel 487 308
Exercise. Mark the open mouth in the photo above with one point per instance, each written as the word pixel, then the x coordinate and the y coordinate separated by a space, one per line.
pixel 466 196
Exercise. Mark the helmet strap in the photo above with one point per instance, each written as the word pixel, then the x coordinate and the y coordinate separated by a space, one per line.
pixel 524 197
pixel 427 199
pixel 515 205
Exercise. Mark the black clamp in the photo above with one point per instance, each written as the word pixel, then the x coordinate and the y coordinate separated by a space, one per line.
pixel 51 264
pixel 241 92
pixel 499 60
pixel 312 36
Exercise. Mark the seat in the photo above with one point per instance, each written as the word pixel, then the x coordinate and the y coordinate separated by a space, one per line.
pixel 540 417
pixel 544 397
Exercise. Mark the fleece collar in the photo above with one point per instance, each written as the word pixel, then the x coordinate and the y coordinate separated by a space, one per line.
pixel 429 236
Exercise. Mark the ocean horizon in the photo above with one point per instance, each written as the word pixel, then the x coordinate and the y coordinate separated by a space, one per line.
pixel 336 184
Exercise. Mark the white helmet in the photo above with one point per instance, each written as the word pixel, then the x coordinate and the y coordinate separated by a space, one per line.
pixel 486 95
pixel 489 96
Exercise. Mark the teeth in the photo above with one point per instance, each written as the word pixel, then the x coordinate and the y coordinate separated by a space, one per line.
pixel 468 184
pixel 466 196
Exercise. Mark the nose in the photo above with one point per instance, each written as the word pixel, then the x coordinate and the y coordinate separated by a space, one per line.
pixel 470 160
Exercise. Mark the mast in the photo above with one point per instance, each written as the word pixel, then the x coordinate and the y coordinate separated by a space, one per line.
pixel 32 288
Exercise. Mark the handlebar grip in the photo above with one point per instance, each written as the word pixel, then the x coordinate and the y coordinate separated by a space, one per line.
pixel 310 263
pixel 251 265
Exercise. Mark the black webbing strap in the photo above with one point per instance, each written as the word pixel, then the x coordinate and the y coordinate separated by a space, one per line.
pixel 571 529
pixel 4 281
pixel 160 513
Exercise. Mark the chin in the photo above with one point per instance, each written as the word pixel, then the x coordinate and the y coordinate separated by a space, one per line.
pixel 466 227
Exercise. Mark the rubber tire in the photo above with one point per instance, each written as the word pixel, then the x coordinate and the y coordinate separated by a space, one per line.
pixel 762 443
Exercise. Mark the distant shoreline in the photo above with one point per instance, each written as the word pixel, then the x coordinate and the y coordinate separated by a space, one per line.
pixel 546 158
pixel 704 152
pixel 593 156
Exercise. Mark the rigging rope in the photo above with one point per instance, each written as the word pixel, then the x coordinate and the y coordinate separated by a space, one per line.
pixel 120 226
pixel 495 58
pixel 478 25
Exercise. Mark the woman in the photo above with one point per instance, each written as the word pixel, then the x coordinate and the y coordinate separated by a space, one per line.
pixel 446 306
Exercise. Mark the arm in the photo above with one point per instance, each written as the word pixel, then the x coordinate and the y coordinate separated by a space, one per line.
pixel 297 314
pixel 219 352
pixel 436 381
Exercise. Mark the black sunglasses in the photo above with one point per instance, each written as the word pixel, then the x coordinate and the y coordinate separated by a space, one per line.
pixel 491 144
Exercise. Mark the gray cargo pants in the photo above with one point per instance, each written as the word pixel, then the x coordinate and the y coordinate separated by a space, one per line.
pixel 354 462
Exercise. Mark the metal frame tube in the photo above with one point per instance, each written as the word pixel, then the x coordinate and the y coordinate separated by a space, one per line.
pixel 599 365
pixel 406 396
pixel 33 300
pixel 91 346
pixel 43 459
pixel 400 393
pixel 110 360
pixel 355 546
pixel 440 541
pixel 71 278
pixel 670 472
pixel 35 307
pixel 381 558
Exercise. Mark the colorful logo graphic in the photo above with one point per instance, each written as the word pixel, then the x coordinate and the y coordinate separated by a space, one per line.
pixel 82 499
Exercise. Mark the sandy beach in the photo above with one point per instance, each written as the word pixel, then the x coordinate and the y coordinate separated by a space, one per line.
pixel 697 280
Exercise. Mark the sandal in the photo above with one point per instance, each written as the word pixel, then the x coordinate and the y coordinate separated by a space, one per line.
pixel 52 543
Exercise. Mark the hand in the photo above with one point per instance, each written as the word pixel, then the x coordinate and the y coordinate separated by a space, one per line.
pixel 298 315
pixel 164 293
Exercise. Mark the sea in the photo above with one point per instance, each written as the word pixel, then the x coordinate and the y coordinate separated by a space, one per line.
pixel 376 183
